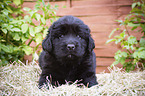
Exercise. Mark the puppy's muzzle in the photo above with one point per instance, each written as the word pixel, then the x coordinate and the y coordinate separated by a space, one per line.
pixel 70 47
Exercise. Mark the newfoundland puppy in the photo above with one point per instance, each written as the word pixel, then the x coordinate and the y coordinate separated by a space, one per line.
pixel 68 54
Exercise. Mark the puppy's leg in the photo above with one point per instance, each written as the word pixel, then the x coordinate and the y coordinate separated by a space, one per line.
pixel 42 81
pixel 89 79
pixel 45 78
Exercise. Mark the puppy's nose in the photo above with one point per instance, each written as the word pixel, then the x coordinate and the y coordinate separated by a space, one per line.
pixel 70 46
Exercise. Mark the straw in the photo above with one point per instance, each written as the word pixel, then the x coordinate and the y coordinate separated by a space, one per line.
pixel 22 80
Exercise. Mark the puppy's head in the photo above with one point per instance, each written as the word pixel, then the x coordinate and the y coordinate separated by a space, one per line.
pixel 68 37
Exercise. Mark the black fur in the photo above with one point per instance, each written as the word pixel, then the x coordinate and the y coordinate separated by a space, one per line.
pixel 68 53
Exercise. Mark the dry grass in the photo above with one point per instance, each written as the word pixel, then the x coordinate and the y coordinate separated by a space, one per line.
pixel 21 80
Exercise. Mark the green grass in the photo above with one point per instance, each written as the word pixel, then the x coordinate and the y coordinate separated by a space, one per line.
pixel 22 80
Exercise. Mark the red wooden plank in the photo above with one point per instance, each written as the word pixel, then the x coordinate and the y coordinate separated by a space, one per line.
pixel 79 3
pixel 84 10
pixel 102 62
pixel 100 38
pixel 102 69
pixel 107 19
pixel 124 10
pixel 102 27
pixel 87 11
pixel 107 51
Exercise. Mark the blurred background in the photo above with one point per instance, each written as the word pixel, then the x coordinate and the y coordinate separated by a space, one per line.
pixel 24 25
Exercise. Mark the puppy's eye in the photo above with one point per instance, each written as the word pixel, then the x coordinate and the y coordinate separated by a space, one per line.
pixel 61 36
pixel 78 36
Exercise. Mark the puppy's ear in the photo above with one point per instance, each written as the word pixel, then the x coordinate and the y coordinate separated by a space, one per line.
pixel 46 44
pixel 91 44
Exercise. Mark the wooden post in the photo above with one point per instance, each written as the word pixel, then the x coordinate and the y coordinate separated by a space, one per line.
pixel 69 3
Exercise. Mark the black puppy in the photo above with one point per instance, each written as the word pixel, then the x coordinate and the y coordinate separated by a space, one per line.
pixel 68 53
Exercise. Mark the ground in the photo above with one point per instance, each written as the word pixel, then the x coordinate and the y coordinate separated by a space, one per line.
pixel 22 79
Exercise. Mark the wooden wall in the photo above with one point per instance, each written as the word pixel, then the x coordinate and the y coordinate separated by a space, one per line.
pixel 100 16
